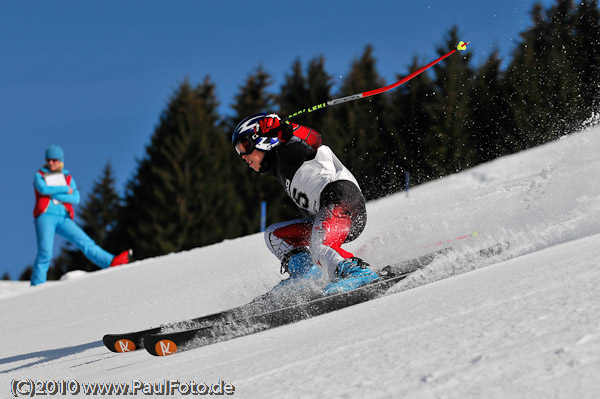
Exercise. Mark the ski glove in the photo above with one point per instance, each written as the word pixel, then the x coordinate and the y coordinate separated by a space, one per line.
pixel 272 126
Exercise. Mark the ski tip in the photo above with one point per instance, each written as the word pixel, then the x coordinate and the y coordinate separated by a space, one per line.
pixel 462 46
pixel 125 345
pixel 122 345
pixel 164 347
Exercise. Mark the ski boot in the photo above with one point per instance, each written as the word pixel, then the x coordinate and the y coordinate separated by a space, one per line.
pixel 304 276
pixel 122 258
pixel 351 273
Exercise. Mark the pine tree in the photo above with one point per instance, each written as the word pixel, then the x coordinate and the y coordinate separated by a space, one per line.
pixel 520 81
pixel 182 195
pixel 586 54
pixel 566 100
pixel 301 91
pixel 368 143
pixel 544 86
pixel 411 121
pixel 100 211
pixel 294 92
pixel 26 274
pixel 252 188
pixel 252 97
pixel 448 140
pixel 489 123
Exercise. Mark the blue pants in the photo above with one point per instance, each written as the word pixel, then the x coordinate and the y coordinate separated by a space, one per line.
pixel 46 225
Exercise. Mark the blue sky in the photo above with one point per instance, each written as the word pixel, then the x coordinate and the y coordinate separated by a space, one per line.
pixel 94 77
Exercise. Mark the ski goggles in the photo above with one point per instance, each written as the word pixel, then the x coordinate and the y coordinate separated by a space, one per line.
pixel 244 146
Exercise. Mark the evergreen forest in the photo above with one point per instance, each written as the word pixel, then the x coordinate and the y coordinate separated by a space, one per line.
pixel 190 189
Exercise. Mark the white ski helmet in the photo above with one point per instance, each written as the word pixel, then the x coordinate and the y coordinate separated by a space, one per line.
pixel 245 136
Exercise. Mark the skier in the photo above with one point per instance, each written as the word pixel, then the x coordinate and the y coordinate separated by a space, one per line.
pixel 55 194
pixel 324 190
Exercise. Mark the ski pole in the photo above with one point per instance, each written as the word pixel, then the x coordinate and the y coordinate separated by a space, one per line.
pixel 461 47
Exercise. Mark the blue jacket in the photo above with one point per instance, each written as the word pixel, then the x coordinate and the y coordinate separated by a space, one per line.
pixel 59 195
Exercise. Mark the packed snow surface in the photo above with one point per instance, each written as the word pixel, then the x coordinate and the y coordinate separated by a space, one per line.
pixel 523 324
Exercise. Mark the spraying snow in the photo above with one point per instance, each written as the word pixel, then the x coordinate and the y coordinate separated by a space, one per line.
pixel 524 324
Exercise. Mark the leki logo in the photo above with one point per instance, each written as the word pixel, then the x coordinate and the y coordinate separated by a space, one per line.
pixel 124 345
pixel 165 347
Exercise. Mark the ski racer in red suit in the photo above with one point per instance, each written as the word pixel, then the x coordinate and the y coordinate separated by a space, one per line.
pixel 324 190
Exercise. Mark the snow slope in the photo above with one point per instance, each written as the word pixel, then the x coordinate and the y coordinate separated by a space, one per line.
pixel 525 324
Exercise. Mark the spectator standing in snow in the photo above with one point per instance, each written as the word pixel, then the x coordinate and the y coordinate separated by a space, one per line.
pixel 55 194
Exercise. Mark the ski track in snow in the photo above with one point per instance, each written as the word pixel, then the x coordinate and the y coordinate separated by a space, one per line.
pixel 522 324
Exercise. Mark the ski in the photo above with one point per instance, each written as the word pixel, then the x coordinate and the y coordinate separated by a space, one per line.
pixel 132 341
pixel 168 343
pixel 257 316
pixel 164 344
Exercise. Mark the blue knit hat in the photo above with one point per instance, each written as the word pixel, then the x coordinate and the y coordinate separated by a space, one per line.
pixel 55 152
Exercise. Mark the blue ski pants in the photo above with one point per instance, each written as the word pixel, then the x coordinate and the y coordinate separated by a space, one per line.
pixel 46 226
